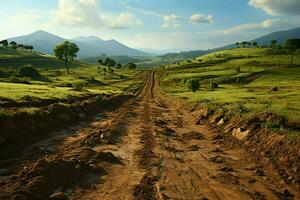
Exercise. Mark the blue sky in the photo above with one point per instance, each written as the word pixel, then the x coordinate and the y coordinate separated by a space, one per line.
pixel 170 25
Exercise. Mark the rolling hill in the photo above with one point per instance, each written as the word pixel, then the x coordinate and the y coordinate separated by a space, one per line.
pixel 89 46
pixel 280 36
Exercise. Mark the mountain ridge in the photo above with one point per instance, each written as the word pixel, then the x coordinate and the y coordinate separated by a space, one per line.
pixel 89 45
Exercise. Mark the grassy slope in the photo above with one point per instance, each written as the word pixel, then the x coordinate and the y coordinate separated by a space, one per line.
pixel 55 83
pixel 247 91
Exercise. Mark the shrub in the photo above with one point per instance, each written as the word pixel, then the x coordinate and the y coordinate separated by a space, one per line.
pixel 131 66
pixel 77 87
pixel 3 75
pixel 238 69
pixel 28 71
pixel 121 76
pixel 193 84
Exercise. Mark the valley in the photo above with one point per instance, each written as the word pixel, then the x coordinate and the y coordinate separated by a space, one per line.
pixel 80 123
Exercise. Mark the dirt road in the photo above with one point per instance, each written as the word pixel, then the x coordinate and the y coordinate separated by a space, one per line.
pixel 147 149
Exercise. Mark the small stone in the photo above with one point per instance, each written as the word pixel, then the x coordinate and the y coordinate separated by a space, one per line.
pixel 59 196
pixel 221 122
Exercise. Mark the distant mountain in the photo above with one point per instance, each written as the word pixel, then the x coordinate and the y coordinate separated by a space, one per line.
pixel 89 46
pixel 280 36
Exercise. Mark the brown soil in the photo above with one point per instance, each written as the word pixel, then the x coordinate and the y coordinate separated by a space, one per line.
pixel 149 148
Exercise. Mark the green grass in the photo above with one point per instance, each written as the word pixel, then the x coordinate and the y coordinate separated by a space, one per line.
pixel 54 82
pixel 261 69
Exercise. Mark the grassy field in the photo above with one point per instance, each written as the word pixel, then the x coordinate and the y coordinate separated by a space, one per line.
pixel 54 82
pixel 245 77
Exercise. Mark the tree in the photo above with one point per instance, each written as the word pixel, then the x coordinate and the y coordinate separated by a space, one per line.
pixel 100 62
pixel 119 65
pixel 21 46
pixel 292 45
pixel 131 66
pixel 244 43
pixel 254 44
pixel 4 43
pixel 13 43
pixel 28 47
pixel 66 51
pixel 193 84
pixel 109 62
pixel 273 43
pixel 237 45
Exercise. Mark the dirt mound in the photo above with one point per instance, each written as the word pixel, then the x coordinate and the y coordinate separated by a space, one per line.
pixel 41 179
pixel 25 127
pixel 255 134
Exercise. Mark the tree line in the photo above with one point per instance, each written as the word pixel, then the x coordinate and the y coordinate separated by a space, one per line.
pixel 290 45
pixel 15 45
pixel 67 51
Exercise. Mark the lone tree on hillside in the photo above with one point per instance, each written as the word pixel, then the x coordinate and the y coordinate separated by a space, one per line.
pixel 28 47
pixel 13 44
pixel 254 44
pixel 66 51
pixel 4 43
pixel 244 43
pixel 131 66
pixel 109 62
pixel 292 45
pixel 273 43
pixel 193 84
pixel 100 62
pixel 237 45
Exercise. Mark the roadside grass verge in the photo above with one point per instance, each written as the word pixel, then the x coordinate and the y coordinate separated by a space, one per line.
pixel 252 80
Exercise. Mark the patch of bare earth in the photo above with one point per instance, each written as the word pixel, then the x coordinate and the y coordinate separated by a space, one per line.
pixel 149 148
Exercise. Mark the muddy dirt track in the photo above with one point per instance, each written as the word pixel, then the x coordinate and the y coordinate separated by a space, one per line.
pixel 146 149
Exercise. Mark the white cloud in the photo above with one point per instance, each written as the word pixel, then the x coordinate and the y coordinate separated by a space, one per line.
pixel 88 13
pixel 268 25
pixel 171 21
pixel 201 19
pixel 125 20
pixel 277 7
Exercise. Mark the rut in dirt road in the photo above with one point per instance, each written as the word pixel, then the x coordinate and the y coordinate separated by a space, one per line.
pixel 167 156
pixel 150 148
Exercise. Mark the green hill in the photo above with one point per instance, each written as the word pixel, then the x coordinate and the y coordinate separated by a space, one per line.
pixel 247 78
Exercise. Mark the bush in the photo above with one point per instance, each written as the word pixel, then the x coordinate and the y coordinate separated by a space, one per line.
pixel 193 84
pixel 3 75
pixel 77 87
pixel 238 69
pixel 131 66
pixel 28 71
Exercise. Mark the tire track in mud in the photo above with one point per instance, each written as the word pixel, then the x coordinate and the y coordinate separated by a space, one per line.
pixel 150 149
pixel 148 161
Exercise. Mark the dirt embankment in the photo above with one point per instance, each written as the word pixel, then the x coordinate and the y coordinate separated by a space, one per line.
pixel 24 127
pixel 277 149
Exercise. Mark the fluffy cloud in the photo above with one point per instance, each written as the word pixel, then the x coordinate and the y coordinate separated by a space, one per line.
pixel 87 13
pixel 267 25
pixel 201 19
pixel 171 21
pixel 277 7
